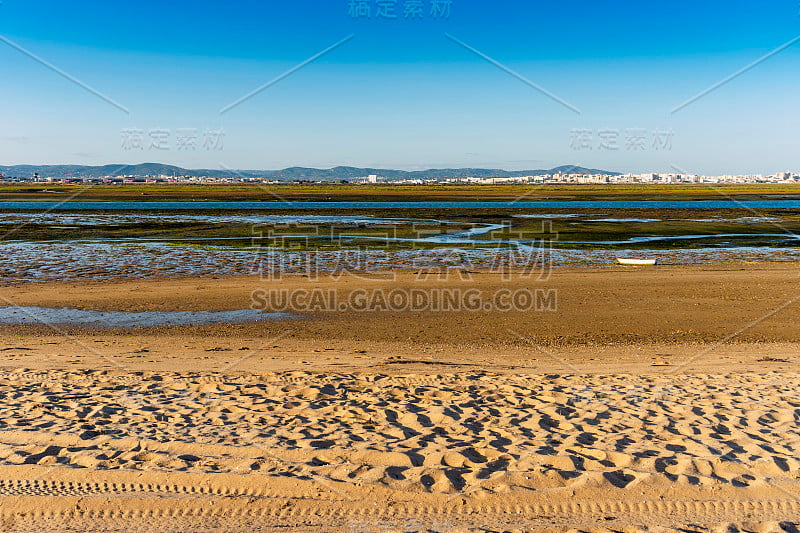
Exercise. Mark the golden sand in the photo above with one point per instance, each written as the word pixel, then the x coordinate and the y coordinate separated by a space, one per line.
pixel 650 400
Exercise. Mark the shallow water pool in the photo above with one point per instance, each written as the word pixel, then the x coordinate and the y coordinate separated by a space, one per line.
pixel 124 319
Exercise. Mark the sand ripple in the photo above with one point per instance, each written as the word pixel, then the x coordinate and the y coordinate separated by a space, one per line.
pixel 459 434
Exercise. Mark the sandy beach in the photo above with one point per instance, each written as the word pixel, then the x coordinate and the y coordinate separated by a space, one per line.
pixel 416 266
pixel 647 400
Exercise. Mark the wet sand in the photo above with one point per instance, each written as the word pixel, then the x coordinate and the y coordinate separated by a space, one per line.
pixel 618 306
pixel 653 399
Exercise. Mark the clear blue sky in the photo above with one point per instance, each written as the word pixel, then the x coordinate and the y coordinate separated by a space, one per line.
pixel 400 93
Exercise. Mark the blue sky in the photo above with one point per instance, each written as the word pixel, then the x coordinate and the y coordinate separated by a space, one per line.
pixel 400 93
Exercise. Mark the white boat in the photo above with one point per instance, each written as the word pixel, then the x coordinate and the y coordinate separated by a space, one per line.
pixel 639 262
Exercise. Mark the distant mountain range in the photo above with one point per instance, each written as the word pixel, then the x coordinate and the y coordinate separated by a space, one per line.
pixel 287 174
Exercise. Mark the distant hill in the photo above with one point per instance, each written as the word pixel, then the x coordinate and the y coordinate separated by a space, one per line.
pixel 81 171
pixel 287 174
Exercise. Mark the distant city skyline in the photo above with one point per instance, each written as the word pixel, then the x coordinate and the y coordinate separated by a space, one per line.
pixel 156 172
pixel 625 87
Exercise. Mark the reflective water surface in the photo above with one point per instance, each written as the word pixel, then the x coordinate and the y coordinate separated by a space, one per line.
pixel 124 319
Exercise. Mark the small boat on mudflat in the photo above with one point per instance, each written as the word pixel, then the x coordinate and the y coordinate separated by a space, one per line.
pixel 638 262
